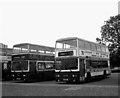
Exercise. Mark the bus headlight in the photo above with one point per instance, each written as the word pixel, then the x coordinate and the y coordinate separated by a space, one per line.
pixel 73 80
pixel 74 75
pixel 13 75
pixel 24 75
pixel 57 76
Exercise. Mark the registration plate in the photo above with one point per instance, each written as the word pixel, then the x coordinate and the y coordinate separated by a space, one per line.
pixel 65 79
pixel 18 78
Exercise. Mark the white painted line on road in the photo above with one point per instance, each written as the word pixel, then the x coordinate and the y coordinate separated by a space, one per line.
pixel 90 86
pixel 73 88
pixel 60 85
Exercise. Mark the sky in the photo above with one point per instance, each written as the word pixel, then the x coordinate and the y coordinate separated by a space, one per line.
pixel 42 22
pixel 119 7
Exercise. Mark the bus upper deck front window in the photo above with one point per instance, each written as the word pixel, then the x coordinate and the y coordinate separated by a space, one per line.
pixel 16 50
pixel 66 44
pixel 59 45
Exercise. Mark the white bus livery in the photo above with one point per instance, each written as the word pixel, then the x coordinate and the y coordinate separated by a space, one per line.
pixel 77 60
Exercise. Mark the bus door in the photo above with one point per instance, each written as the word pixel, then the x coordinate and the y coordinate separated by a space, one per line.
pixel 82 69
pixel 32 65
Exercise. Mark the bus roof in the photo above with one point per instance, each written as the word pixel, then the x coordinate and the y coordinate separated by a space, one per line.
pixel 34 47
pixel 75 38
pixel 68 38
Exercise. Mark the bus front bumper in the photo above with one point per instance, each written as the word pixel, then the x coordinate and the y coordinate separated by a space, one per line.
pixel 19 75
pixel 67 76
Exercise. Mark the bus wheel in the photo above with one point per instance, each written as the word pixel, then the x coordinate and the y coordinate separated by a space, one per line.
pixel 26 79
pixel 39 77
pixel 8 77
pixel 88 77
pixel 69 82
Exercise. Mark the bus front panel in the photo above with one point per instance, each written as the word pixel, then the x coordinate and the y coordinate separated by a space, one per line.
pixel 67 69
pixel 19 69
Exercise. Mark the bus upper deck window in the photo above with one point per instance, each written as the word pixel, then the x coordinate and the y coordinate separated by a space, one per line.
pixel 81 44
pixel 93 47
pixel 87 46
pixel 103 49
pixel 107 49
pixel 66 46
pixel 59 45
pixel 98 48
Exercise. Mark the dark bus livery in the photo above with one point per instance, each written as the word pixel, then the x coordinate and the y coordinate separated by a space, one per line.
pixel 31 61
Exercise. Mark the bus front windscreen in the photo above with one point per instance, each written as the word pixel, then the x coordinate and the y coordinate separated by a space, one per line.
pixel 19 65
pixel 66 64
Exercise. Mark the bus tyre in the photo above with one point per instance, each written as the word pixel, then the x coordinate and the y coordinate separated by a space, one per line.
pixel 69 82
pixel 26 79
pixel 39 77
pixel 88 77
pixel 8 77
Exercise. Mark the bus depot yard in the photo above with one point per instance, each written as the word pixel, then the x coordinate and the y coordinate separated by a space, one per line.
pixel 72 60
pixel 97 87
pixel 72 67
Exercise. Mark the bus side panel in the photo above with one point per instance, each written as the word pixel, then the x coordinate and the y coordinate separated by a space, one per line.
pixel 50 74
pixel 32 69
pixel 82 70
pixel 46 73
pixel 1 70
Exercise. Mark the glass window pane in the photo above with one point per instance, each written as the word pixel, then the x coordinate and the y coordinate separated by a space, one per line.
pixel 81 44
pixel 66 44
pixel 71 42
pixel 93 47
pixel 41 65
pixel 49 65
pixel 59 45
pixel 20 65
pixel 66 64
pixel 87 45
pixel 107 49
pixel 58 65
pixel 98 48
pixel 103 49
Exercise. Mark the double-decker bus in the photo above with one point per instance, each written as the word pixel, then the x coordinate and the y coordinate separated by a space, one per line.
pixel 77 60
pixel 30 61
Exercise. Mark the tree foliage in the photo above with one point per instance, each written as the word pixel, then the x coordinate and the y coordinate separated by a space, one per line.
pixel 110 34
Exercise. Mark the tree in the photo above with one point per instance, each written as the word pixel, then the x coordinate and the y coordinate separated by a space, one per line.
pixel 110 34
